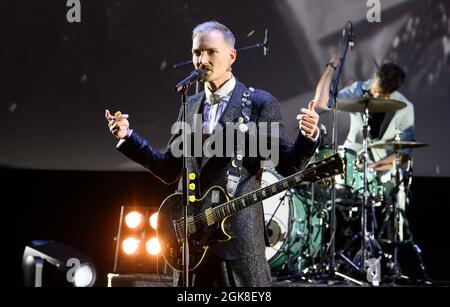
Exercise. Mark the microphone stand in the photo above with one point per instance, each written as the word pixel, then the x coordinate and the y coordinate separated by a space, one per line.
pixel 332 103
pixel 183 87
pixel 264 44
pixel 185 199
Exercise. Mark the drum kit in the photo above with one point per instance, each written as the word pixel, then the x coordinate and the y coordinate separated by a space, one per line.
pixel 299 221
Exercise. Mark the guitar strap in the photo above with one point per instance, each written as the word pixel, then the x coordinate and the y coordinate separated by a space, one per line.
pixel 235 167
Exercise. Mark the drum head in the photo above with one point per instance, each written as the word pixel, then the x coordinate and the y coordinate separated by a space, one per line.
pixel 299 231
pixel 276 215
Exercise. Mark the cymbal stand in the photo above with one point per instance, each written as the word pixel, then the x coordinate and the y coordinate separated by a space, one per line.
pixel 366 130
pixel 368 241
pixel 399 206
pixel 368 237
pixel 399 223
pixel 407 183
pixel 397 217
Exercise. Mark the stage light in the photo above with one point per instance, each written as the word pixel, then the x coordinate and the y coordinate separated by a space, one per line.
pixel 73 266
pixel 136 247
pixel 133 219
pixel 153 247
pixel 83 276
pixel 130 245
pixel 154 220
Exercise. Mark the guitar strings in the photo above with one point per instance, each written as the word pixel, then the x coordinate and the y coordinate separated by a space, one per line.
pixel 201 220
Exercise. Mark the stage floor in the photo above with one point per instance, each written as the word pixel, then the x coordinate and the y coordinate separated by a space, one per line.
pixel 153 280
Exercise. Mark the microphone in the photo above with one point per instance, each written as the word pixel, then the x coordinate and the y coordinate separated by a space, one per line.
pixel 266 42
pixel 351 35
pixel 193 77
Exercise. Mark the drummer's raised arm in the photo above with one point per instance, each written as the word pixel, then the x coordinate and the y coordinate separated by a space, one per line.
pixel 323 86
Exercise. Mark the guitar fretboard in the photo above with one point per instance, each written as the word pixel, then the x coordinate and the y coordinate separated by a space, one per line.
pixel 322 169
pixel 240 203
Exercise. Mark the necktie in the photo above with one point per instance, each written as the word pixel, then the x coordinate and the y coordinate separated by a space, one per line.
pixel 214 98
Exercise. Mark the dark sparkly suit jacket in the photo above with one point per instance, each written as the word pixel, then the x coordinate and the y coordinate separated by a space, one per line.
pixel 246 227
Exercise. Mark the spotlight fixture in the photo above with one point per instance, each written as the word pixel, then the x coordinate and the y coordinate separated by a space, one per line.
pixel 75 267
pixel 133 219
pixel 154 220
pixel 137 246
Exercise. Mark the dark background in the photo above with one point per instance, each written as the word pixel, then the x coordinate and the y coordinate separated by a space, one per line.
pixel 61 176
pixel 57 78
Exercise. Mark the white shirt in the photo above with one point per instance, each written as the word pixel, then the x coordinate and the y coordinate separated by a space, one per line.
pixel 212 113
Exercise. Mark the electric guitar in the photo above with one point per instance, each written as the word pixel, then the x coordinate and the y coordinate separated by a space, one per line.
pixel 207 215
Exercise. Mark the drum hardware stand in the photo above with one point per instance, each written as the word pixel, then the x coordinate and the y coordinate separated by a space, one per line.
pixel 315 269
pixel 368 239
pixel 372 246
pixel 417 249
pixel 366 130
pixel 301 273
pixel 398 205
pixel 397 226
pixel 323 217
pixel 288 264
pixel 300 237
pixel 360 261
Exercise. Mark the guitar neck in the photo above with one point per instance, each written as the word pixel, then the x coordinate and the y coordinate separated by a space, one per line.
pixel 322 169
pixel 233 206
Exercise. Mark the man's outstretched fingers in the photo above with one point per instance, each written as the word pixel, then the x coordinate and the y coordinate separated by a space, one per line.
pixel 108 115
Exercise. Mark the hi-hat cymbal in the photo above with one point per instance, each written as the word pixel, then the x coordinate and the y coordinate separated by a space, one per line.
pixel 375 105
pixel 398 145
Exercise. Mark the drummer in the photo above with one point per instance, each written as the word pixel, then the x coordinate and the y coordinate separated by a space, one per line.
pixel 384 84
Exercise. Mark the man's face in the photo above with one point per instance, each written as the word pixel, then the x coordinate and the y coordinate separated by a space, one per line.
pixel 211 52
pixel 376 90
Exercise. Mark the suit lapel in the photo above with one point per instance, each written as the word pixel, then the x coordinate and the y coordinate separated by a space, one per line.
pixel 194 104
pixel 231 112
pixel 194 107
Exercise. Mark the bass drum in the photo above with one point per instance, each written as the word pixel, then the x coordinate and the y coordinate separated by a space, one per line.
pixel 303 233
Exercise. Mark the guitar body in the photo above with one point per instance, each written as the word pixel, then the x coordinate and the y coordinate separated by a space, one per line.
pixel 204 229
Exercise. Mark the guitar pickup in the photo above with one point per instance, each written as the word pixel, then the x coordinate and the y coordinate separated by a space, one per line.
pixel 210 220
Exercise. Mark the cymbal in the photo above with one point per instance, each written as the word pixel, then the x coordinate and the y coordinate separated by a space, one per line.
pixel 375 105
pixel 398 145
